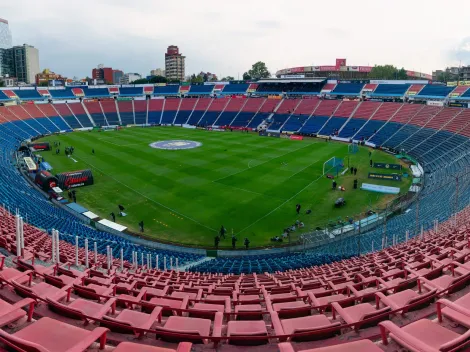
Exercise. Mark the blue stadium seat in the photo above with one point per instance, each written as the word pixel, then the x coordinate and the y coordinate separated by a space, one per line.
pixel 235 89
pixel 200 89
pixel 435 91
pixel 390 90
pixel 28 94
pixel 352 89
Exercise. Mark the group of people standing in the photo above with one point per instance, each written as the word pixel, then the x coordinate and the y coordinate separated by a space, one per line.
pixel 221 236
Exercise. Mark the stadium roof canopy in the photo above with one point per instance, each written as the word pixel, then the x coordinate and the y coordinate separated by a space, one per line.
pixel 291 80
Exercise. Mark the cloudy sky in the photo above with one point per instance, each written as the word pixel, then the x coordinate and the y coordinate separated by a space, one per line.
pixel 226 37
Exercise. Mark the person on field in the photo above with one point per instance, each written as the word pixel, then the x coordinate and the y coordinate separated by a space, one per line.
pixel 222 232
pixel 352 170
pixel 234 241
pixel 371 162
pixel 297 208
pixel 113 216
pixel 93 151
pixel 141 225
pixel 355 170
pixel 216 242
pixel 246 242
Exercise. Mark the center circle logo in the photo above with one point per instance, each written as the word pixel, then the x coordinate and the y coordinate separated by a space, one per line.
pixel 175 145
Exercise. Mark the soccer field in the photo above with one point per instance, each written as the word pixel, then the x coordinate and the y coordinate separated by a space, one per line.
pixel 244 182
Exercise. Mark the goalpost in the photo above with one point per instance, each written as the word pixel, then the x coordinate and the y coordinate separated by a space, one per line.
pixel 333 165
pixel 353 148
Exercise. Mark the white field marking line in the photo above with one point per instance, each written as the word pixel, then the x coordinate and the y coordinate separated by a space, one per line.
pixel 264 162
pixel 266 195
pixel 288 200
pixel 249 164
pixel 152 200
pixel 246 190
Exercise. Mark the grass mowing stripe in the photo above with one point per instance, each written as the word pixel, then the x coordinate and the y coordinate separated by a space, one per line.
pixel 149 199
pixel 183 180
pixel 279 206
pixel 264 162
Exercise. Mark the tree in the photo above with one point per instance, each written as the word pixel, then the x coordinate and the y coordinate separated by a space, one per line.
pixel 246 76
pixel 214 78
pixel 259 70
pixel 158 79
pixel 387 72
pixel 228 78
pixel 196 79
pixel 205 77
pixel 140 81
pixel 401 74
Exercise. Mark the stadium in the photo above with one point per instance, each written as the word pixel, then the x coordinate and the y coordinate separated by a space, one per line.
pixel 322 208
pixel 184 160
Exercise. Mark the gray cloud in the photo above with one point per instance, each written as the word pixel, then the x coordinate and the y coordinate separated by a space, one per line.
pixel 461 52
pixel 226 38
pixel 268 24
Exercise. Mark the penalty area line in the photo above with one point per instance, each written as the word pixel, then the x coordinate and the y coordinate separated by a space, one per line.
pixel 152 200
pixel 282 204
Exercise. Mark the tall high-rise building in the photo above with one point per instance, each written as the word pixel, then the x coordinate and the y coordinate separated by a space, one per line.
pixel 157 72
pixel 174 64
pixel 6 55
pixel 25 63
pixel 130 77
pixel 5 34
pixel 6 63
pixel 117 75
pixel 103 73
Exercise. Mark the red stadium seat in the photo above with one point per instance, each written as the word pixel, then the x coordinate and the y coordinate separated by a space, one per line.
pixel 51 335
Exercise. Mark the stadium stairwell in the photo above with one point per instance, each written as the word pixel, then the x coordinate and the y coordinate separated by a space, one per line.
pixel 104 115
pixel 462 121
pixel 329 118
pixel 403 125
pixel 271 114
pixel 223 110
pixel 88 114
pixel 403 142
pixel 117 111
pixel 24 122
pixel 31 117
pixel 291 114
pixel 350 117
pixel 177 111
pixel 192 111
pixel 386 122
pixel 370 118
pixel 238 113
pixel 163 109
pixel 50 106
pixel 257 112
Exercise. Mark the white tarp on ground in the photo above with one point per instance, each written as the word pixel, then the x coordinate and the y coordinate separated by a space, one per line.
pixel 416 171
pixel 380 189
pixel 90 215
pixel 112 225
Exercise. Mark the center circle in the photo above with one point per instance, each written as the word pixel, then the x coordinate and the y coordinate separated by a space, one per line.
pixel 175 144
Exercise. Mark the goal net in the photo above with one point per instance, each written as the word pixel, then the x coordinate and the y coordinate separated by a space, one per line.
pixel 333 165
pixel 353 148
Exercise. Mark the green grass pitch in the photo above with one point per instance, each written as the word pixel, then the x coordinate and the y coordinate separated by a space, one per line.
pixel 247 183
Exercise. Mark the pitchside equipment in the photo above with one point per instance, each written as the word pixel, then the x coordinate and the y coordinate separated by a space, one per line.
pixel 333 165
pixel 353 148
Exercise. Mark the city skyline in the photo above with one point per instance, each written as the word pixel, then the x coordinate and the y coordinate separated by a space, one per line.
pixel 227 40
